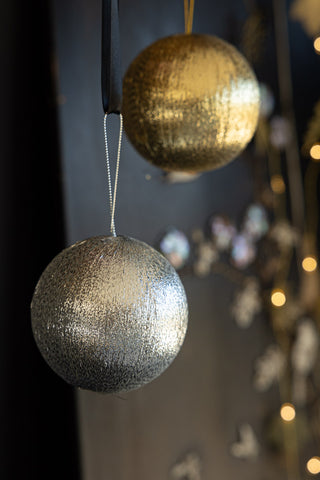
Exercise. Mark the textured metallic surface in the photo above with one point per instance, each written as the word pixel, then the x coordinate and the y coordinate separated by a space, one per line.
pixel 109 314
pixel 190 102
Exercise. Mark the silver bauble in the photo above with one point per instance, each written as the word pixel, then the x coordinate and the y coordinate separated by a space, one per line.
pixel 109 314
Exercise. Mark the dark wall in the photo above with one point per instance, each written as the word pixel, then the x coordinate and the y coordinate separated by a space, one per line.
pixel 38 431
pixel 197 404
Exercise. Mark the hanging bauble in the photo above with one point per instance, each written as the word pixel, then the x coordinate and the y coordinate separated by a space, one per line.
pixel 190 102
pixel 109 314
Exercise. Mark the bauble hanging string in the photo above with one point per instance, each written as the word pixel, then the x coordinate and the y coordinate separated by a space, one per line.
pixel 112 195
pixel 190 101
pixel 188 15
pixel 109 313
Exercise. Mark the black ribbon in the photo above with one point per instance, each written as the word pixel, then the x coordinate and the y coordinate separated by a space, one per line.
pixel 111 83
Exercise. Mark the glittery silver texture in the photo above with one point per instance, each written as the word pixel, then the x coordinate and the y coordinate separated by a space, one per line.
pixel 109 314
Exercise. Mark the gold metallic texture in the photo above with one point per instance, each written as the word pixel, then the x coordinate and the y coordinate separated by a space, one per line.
pixel 190 103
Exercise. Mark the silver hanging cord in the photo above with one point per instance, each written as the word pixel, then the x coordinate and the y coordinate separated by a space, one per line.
pixel 112 196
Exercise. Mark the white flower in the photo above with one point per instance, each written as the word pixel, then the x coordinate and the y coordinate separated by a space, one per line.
pixel 243 251
pixel 247 304
pixel 266 100
pixel 268 368
pixel 207 255
pixel 284 234
pixel 280 133
pixel 189 468
pixel 305 349
pixel 256 223
pixel 248 446
pixel 223 231
pixel 175 247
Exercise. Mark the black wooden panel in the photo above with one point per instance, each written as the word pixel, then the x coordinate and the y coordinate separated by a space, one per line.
pixel 38 429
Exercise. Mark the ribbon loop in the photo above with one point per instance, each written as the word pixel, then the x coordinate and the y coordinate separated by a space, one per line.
pixel 111 85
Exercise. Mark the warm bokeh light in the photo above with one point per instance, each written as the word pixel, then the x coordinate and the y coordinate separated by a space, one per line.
pixel 315 151
pixel 313 465
pixel 278 297
pixel 287 412
pixel 309 264
pixel 277 184
pixel 316 44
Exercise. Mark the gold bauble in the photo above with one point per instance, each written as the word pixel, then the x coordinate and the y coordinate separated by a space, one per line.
pixel 190 103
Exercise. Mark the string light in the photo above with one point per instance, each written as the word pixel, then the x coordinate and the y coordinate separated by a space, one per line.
pixel 278 297
pixel 313 465
pixel 309 264
pixel 315 151
pixel 277 184
pixel 287 412
pixel 316 44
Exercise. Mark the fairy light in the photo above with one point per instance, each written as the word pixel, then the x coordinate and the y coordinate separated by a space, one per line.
pixel 277 184
pixel 287 412
pixel 315 151
pixel 316 44
pixel 278 297
pixel 309 264
pixel 313 465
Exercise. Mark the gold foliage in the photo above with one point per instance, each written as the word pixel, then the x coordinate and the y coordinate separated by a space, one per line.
pixel 312 134
pixel 253 37
pixel 308 13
